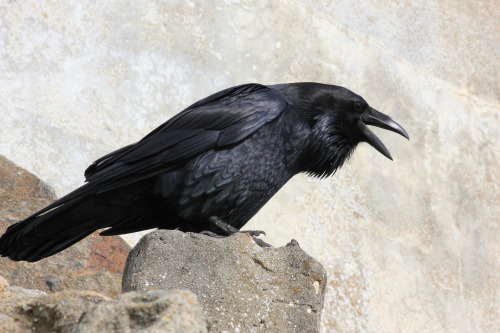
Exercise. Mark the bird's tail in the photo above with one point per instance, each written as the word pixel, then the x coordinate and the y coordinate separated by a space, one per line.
pixel 50 232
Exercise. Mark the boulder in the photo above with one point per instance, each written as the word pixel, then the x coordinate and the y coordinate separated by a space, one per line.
pixel 147 311
pixel 24 310
pixel 96 263
pixel 243 284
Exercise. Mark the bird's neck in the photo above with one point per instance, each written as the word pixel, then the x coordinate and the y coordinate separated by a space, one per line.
pixel 327 151
pixel 323 163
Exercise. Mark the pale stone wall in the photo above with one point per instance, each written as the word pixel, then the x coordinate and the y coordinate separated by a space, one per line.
pixel 410 245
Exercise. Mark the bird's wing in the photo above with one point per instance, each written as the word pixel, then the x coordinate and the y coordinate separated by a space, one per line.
pixel 219 120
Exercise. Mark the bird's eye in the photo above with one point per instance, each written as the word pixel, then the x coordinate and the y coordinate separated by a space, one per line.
pixel 358 107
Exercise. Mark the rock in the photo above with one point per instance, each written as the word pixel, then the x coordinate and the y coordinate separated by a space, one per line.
pixel 23 310
pixel 10 294
pixel 96 263
pixel 243 287
pixel 55 284
pixel 152 311
pixel 58 312
pixel 4 284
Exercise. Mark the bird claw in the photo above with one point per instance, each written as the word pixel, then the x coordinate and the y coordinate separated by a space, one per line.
pixel 226 228
pixel 211 234
pixel 253 233
pixel 229 230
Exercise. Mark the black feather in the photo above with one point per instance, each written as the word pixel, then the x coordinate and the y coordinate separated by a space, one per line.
pixel 226 156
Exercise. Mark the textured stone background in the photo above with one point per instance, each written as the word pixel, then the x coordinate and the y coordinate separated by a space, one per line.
pixel 410 245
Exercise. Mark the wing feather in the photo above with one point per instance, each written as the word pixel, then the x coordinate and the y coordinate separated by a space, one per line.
pixel 219 120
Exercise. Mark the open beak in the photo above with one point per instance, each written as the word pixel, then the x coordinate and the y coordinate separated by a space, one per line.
pixel 376 118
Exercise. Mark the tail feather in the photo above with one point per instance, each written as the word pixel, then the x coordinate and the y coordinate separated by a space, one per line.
pixel 56 245
pixel 52 231
pixel 41 236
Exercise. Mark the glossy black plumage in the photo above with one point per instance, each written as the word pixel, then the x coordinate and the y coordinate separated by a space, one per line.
pixel 224 156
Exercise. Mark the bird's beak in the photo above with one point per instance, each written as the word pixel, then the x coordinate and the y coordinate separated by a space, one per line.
pixel 376 118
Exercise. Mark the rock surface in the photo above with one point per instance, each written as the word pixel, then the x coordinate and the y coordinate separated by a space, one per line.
pixel 148 311
pixel 96 263
pixel 242 286
pixel 24 310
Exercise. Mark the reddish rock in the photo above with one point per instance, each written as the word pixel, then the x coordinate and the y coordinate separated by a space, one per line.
pixel 95 263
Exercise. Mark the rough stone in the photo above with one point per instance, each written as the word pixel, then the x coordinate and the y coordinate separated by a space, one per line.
pixel 242 286
pixel 31 310
pixel 95 263
pixel 13 293
pixel 24 310
pixel 151 311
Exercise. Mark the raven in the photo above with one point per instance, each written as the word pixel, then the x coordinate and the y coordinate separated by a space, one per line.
pixel 208 169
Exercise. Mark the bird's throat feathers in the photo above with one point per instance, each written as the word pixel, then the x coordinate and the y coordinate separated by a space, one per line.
pixel 329 148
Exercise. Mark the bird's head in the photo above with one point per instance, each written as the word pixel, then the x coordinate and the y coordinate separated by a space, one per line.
pixel 339 120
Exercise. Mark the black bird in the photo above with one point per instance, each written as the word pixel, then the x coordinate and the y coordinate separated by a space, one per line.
pixel 210 168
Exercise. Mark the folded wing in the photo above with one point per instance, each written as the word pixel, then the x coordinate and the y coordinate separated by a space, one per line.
pixel 219 120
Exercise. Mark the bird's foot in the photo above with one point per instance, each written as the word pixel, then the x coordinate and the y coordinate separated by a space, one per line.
pixel 228 229
pixel 211 234
pixel 253 233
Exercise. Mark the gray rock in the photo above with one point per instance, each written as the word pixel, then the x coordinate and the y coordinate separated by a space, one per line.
pixel 243 286
pixel 55 284
pixel 31 310
pixel 13 293
pixel 151 311
pixel 25 310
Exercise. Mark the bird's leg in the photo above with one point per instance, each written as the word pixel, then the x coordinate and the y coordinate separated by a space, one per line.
pixel 228 229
